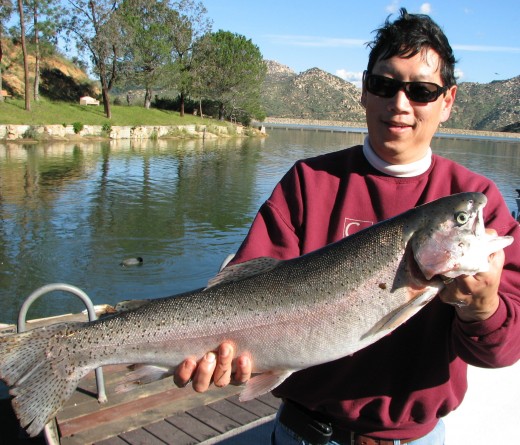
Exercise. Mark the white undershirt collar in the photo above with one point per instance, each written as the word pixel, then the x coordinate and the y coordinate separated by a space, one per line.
pixel 398 170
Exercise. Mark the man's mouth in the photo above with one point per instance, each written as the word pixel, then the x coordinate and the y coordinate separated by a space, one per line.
pixel 393 124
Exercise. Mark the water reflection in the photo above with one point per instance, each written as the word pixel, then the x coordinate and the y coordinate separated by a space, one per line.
pixel 72 212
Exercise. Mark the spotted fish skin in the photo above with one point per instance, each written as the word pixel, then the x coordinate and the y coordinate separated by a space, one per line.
pixel 288 315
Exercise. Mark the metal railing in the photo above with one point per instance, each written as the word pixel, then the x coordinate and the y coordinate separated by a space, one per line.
pixel 100 381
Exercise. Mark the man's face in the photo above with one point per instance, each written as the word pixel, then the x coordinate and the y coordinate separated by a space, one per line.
pixel 400 130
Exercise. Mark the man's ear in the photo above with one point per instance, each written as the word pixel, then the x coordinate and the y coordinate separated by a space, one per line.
pixel 447 103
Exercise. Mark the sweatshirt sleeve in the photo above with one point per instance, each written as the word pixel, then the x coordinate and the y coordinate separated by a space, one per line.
pixel 276 229
pixel 495 342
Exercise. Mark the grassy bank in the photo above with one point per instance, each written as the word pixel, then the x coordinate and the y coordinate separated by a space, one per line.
pixel 44 112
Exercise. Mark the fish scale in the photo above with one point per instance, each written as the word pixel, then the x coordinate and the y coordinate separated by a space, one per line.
pixel 288 315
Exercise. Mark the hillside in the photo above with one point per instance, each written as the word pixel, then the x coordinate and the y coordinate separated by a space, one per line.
pixel 60 79
pixel 316 94
pixel 490 106
pixel 313 94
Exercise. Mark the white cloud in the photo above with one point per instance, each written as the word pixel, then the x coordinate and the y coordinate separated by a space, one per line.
pixel 313 41
pixel 354 77
pixel 485 48
pixel 393 7
pixel 426 8
pixel 459 74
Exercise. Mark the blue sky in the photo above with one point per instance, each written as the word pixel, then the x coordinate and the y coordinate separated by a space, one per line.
pixel 331 34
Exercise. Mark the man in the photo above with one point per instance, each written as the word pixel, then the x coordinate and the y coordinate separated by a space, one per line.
pixel 396 390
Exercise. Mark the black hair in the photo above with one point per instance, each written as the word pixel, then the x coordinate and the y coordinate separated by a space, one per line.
pixel 407 36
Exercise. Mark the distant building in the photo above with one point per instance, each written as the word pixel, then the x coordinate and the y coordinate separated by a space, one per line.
pixel 87 100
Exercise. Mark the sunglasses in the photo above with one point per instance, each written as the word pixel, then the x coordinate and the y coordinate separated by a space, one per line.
pixel 422 92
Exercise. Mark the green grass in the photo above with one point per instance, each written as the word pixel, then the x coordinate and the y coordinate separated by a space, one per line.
pixel 44 112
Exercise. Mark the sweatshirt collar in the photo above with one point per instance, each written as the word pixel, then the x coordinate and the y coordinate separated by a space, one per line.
pixel 397 170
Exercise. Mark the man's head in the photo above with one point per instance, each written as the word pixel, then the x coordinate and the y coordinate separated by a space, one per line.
pixel 409 87
pixel 408 36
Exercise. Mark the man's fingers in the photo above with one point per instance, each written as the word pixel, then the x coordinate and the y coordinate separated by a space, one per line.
pixel 184 372
pixel 222 375
pixel 243 370
pixel 204 372
pixel 214 367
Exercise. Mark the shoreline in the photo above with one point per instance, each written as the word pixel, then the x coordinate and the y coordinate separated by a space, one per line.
pixel 54 133
pixel 344 124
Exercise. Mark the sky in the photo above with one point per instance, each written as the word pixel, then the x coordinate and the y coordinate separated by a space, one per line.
pixel 331 34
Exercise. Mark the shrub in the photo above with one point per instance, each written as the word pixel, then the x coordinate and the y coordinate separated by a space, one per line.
pixel 31 133
pixel 77 126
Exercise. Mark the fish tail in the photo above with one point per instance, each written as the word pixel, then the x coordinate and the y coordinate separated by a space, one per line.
pixel 39 372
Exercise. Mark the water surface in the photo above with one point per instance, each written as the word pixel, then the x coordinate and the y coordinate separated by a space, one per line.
pixel 71 212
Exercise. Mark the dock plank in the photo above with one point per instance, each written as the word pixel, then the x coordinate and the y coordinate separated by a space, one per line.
pixel 169 434
pixel 141 437
pixel 190 425
pixel 255 406
pixel 112 441
pixel 213 419
pixel 233 411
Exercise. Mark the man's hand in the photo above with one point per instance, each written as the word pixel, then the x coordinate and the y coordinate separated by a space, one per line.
pixel 476 296
pixel 216 367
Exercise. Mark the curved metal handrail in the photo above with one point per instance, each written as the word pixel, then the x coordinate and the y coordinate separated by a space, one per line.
pixel 100 381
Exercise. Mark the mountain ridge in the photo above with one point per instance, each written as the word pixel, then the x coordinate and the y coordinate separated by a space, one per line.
pixel 318 95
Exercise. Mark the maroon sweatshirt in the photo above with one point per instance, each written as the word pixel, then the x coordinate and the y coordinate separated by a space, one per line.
pixel 400 386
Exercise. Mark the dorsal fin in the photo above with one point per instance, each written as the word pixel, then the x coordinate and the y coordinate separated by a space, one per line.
pixel 238 272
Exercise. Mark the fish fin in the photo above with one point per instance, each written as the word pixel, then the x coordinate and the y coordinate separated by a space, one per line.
pixel 128 305
pixel 263 383
pixel 141 375
pixel 40 377
pixel 396 318
pixel 237 272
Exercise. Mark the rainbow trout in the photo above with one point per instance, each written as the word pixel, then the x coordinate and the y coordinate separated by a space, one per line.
pixel 288 315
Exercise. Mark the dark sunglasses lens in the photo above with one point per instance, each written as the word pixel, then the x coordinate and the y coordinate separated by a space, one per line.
pixel 382 86
pixel 422 91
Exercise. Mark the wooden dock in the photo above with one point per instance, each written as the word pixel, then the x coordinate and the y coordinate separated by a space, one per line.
pixel 152 414
pixel 156 413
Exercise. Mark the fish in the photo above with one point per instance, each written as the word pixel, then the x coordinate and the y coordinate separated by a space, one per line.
pixel 287 315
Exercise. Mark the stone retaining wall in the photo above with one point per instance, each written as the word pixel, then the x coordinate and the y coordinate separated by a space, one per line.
pixel 57 132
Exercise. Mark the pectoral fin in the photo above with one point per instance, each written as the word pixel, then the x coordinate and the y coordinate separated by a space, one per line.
pixel 141 375
pixel 263 383
pixel 396 318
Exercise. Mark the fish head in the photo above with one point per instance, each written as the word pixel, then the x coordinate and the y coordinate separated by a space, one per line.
pixel 452 240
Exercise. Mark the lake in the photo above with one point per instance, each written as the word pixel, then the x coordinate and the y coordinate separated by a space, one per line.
pixel 72 212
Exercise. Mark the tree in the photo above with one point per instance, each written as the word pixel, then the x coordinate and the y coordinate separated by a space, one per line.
pixel 149 28
pixel 231 71
pixel 25 57
pixel 6 9
pixel 95 27
pixel 35 9
pixel 190 28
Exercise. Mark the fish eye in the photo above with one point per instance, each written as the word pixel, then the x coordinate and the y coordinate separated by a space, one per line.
pixel 461 217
